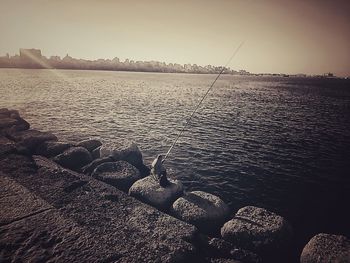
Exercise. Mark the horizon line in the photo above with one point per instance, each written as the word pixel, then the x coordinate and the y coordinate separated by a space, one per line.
pixel 36 58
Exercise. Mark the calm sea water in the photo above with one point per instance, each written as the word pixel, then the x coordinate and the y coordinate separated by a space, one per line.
pixel 278 143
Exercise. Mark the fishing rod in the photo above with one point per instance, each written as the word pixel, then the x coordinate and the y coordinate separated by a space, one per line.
pixel 200 102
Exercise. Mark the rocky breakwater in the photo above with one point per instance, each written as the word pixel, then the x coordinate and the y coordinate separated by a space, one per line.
pixel 68 202
pixel 50 213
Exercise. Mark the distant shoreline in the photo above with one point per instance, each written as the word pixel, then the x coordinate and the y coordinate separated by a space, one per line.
pixel 286 76
pixel 33 59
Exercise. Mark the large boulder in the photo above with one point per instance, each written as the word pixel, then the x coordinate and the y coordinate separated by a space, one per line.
pixel 206 211
pixel 259 230
pixel 74 158
pixel 223 260
pixel 31 139
pixel 6 146
pixel 9 125
pixel 90 144
pixel 3 110
pixel 52 148
pixel 120 174
pixel 149 191
pixel 96 153
pixel 22 125
pixel 89 168
pixel 8 113
pixel 10 121
pixel 326 248
pixel 217 248
pixel 7 122
pixel 126 151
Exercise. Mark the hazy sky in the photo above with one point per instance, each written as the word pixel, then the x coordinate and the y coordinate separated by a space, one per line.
pixel 309 36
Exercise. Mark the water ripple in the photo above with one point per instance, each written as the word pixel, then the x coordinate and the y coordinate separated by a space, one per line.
pixel 279 143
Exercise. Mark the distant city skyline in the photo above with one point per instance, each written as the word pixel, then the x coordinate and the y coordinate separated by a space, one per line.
pixel 291 37
pixel 33 58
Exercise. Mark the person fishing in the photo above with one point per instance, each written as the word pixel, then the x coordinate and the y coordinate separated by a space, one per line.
pixel 158 171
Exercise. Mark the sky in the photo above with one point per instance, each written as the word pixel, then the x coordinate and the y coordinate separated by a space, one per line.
pixel 309 36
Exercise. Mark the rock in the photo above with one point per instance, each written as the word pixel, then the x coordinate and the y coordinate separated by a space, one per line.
pixel 51 148
pixel 3 110
pixel 245 256
pixel 144 170
pixel 8 113
pixel 17 202
pixel 22 125
pixel 206 211
pixel 6 146
pixel 74 158
pixel 7 122
pixel 96 153
pixel 128 152
pixel 30 139
pixel 220 248
pixel 120 174
pixel 326 248
pixel 259 230
pixel 90 144
pixel 149 191
pixel 89 168
pixel 224 260
pixel 10 121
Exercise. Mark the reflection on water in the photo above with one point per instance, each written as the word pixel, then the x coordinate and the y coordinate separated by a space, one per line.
pixel 282 144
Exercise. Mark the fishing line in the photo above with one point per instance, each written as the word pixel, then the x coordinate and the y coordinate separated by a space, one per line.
pixel 200 102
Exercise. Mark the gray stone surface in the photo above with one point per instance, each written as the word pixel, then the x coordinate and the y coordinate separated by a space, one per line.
pixel 30 139
pixel 52 148
pixel 6 145
pixel 96 153
pixel 7 122
pixel 120 174
pixel 125 151
pixel 3 110
pixel 204 210
pixel 89 168
pixel 224 260
pixel 326 248
pixel 9 113
pixel 74 158
pixel 90 144
pixel 89 220
pixel 149 191
pixel 10 121
pixel 259 230
pixel 128 152
pixel 221 248
pixel 21 125
pixel 17 202
pixel 51 237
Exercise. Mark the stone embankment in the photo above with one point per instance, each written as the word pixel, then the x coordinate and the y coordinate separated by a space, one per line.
pixel 94 202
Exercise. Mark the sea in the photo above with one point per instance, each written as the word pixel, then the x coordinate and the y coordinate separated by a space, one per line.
pixel 281 143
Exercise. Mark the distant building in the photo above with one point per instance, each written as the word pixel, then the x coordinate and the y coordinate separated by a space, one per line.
pixel 67 58
pixel 55 58
pixel 30 55
pixel 116 60
pixel 243 72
